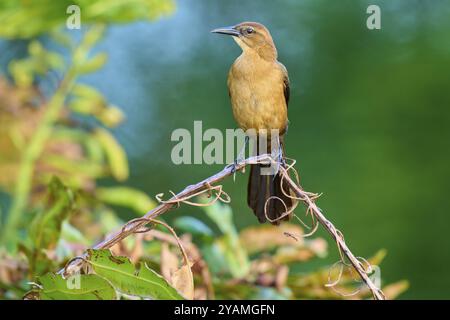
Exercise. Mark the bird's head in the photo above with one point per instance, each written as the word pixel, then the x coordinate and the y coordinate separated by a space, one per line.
pixel 252 37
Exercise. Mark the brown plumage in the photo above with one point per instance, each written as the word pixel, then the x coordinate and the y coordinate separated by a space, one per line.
pixel 259 90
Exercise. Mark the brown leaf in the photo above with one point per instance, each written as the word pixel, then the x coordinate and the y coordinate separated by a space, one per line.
pixel 318 246
pixel 119 249
pixel 393 290
pixel 138 249
pixel 266 237
pixel 183 281
pixel 12 270
pixel 378 257
pixel 281 277
pixel 291 254
pixel 169 262
pixel 199 265
pixel 201 293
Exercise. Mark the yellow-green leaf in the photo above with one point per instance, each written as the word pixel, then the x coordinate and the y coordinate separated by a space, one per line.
pixel 126 197
pixel 46 226
pixel 117 159
pixel 93 64
pixel 77 287
pixel 126 278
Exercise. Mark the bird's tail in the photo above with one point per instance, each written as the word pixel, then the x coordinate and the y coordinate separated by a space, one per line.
pixel 260 189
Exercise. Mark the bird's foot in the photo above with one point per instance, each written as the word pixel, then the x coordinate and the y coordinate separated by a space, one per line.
pixel 282 161
pixel 233 166
pixel 233 169
pixel 280 158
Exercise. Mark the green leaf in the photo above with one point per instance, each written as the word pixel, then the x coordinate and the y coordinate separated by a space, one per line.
pixel 235 256
pixel 221 215
pixel 214 257
pixel 111 116
pixel 61 37
pixel 116 156
pixel 87 92
pixel 21 71
pixel 85 106
pixel 109 221
pixel 92 147
pixel 142 282
pixel 71 234
pixel 378 257
pixel 39 61
pixel 42 59
pixel 94 35
pixel 87 100
pixel 93 64
pixel 77 287
pixel 126 197
pixel 230 245
pixel 46 226
pixel 38 17
pixel 81 166
pixel 193 226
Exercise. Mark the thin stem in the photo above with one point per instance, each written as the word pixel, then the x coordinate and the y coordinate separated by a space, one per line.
pixel 299 192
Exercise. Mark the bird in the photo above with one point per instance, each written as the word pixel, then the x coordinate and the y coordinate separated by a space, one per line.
pixel 258 86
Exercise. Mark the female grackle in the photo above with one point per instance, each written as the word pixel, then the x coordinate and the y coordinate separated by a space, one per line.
pixel 259 90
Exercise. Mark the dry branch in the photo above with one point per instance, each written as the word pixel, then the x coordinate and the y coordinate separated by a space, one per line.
pixel 335 233
pixel 207 185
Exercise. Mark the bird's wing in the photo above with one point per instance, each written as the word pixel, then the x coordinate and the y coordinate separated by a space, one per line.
pixel 287 90
pixel 229 78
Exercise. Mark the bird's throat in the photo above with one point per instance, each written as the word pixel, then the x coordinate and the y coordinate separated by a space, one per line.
pixel 264 51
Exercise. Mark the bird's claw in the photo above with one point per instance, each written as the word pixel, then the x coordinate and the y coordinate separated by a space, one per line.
pixel 233 166
pixel 281 159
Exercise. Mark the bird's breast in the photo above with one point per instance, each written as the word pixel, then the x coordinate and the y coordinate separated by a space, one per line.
pixel 257 95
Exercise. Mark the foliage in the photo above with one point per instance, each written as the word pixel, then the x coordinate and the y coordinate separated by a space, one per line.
pixel 41 138
pixel 50 161
pixel 273 254
pixel 271 274
pixel 52 153
pixel 92 288
pixel 122 274
pixel 234 256
pixel 26 19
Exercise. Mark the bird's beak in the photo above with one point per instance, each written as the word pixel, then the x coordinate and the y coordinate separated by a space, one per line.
pixel 232 31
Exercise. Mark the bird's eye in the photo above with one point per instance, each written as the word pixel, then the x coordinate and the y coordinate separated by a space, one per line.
pixel 249 30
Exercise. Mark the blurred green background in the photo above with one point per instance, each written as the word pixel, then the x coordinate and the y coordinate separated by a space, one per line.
pixel 369 115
